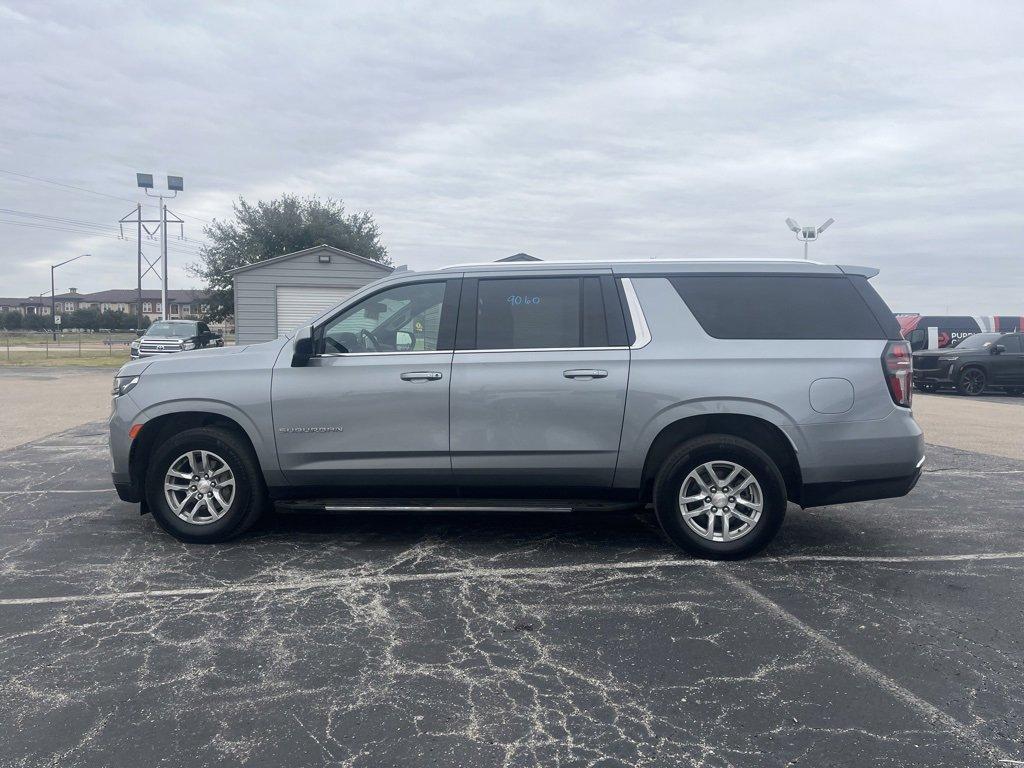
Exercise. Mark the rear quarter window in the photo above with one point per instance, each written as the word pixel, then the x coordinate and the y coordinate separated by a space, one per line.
pixel 778 307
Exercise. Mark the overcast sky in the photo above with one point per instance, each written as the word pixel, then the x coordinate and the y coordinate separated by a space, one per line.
pixel 476 130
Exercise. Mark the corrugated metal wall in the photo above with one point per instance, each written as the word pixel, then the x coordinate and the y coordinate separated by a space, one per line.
pixel 256 289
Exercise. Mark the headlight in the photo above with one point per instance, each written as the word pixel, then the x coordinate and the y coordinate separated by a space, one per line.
pixel 188 345
pixel 950 359
pixel 124 384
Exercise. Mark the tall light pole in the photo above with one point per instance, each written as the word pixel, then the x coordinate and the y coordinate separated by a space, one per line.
pixel 175 184
pixel 807 234
pixel 53 302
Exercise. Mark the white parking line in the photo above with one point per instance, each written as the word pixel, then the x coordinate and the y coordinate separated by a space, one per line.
pixel 927 710
pixel 53 490
pixel 360 577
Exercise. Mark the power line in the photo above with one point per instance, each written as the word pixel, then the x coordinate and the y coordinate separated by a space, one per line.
pixel 61 184
pixel 179 247
pixel 179 211
pixel 30 177
pixel 55 228
pixel 60 219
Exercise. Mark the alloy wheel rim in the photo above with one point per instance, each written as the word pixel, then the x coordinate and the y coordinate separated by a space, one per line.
pixel 974 381
pixel 721 501
pixel 199 487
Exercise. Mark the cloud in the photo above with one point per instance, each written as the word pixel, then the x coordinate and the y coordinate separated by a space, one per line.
pixel 471 131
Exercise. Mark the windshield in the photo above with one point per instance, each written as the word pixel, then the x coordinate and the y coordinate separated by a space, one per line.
pixel 978 341
pixel 172 330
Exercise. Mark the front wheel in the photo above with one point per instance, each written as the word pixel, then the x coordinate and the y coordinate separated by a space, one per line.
pixel 972 382
pixel 720 497
pixel 204 486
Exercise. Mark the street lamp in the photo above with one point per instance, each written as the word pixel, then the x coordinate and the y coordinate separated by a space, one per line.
pixel 53 303
pixel 807 234
pixel 175 184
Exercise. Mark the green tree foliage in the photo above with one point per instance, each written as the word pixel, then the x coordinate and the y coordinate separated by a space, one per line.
pixel 11 321
pixel 35 322
pixel 268 229
pixel 86 319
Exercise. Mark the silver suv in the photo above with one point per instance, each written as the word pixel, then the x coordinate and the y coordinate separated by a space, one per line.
pixel 716 390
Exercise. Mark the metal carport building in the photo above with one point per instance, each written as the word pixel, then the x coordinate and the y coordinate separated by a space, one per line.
pixel 278 295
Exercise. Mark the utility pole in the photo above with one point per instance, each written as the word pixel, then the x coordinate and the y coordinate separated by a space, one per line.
pixel 159 267
pixel 163 258
pixel 138 269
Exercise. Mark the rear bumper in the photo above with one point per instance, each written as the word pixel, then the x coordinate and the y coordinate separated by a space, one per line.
pixel 840 453
pixel 824 494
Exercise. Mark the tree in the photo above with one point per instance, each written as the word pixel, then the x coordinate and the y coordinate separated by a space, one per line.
pixel 87 318
pixel 268 229
pixel 10 321
pixel 36 322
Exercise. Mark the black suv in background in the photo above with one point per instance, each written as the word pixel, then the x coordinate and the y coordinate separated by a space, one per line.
pixel 977 363
pixel 168 336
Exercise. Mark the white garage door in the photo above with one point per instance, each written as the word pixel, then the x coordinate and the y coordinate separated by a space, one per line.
pixel 298 305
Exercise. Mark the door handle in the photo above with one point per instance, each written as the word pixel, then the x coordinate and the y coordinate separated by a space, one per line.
pixel 421 376
pixel 585 373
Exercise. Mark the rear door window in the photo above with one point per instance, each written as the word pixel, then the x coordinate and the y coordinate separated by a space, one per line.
pixel 778 307
pixel 529 313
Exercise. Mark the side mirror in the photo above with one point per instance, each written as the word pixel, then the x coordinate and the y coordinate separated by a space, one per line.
pixel 997 349
pixel 140 333
pixel 302 349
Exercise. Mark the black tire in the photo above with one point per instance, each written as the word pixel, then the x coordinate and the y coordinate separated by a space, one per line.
pixel 247 503
pixel 710 448
pixel 972 381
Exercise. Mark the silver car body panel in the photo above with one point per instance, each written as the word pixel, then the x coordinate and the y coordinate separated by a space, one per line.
pixel 513 417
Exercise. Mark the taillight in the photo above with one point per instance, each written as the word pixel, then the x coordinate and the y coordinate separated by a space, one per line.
pixel 898 366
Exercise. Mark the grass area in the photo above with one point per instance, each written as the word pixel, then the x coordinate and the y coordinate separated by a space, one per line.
pixel 87 360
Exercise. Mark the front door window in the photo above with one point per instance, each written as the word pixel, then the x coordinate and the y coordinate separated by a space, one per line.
pixel 406 318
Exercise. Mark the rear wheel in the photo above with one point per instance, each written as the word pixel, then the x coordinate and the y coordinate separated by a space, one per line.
pixel 972 381
pixel 1015 391
pixel 204 486
pixel 720 497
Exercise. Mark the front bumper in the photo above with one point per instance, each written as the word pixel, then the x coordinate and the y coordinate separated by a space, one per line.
pixel 122 414
pixel 933 378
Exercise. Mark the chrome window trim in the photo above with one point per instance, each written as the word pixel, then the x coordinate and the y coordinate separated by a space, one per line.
pixel 636 312
pixel 542 349
pixel 469 351
pixel 378 354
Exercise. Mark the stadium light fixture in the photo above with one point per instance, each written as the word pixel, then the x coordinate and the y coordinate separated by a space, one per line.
pixel 807 234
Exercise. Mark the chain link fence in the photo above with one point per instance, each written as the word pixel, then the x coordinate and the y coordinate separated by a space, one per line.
pixel 31 347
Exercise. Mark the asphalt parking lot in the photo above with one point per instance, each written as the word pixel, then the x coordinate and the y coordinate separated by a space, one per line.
pixel 882 634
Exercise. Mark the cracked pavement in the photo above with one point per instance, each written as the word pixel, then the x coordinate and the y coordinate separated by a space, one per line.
pixel 886 633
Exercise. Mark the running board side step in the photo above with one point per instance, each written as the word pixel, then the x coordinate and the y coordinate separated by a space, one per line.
pixel 439 508
pixel 502 506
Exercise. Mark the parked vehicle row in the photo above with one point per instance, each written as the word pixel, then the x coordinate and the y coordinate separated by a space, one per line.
pixel 941 331
pixel 169 336
pixel 975 365
pixel 716 390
